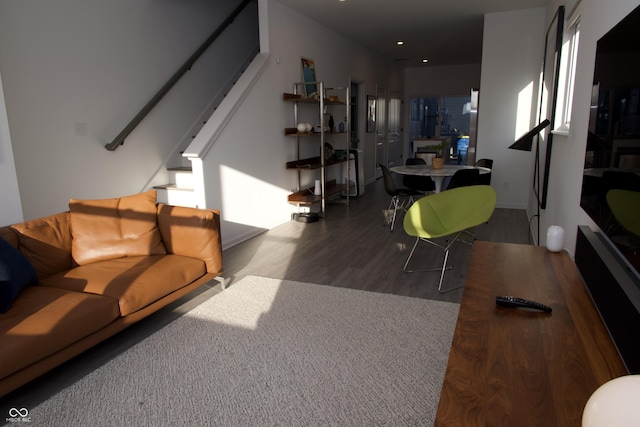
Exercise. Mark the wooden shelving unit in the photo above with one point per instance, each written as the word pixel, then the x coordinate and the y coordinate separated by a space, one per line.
pixel 306 196
pixel 308 165
pixel 312 163
pixel 294 132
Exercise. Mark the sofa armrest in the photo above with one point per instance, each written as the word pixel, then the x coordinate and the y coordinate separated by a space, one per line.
pixel 9 235
pixel 46 242
pixel 192 232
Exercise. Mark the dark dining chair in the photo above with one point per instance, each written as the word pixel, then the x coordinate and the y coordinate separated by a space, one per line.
pixel 401 198
pixel 485 178
pixel 485 163
pixel 423 184
pixel 464 178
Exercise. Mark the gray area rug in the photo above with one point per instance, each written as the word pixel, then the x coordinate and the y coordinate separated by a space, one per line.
pixel 271 352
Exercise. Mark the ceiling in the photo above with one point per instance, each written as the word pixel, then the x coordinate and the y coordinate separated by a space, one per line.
pixel 446 32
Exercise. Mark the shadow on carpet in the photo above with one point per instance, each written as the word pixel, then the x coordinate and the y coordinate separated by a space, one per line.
pixel 274 352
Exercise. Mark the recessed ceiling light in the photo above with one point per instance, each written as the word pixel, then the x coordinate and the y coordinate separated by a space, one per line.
pixel 399 42
pixel 425 60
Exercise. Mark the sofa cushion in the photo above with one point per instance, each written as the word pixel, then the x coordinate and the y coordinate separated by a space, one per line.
pixel 45 320
pixel 192 232
pixel 134 281
pixel 114 228
pixel 46 242
pixel 16 273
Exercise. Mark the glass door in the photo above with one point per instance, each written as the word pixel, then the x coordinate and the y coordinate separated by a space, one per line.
pixel 394 136
pixel 381 129
pixel 443 117
pixel 424 118
pixel 456 126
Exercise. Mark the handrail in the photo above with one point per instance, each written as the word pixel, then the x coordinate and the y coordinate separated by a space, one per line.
pixel 119 140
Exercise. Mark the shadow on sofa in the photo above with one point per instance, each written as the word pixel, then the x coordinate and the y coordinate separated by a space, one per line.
pixel 71 280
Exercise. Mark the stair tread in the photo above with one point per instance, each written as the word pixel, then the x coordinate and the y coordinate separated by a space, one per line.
pixel 171 187
pixel 181 168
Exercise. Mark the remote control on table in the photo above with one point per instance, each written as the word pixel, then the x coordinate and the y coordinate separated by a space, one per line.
pixel 508 301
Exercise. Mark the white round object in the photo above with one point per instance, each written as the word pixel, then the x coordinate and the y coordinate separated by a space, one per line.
pixel 309 127
pixel 614 404
pixel 555 238
pixel 302 127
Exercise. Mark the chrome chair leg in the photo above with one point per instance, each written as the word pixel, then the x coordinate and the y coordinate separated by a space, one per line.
pixel 390 219
pixel 410 255
pixel 398 204
pixel 444 267
pixel 394 203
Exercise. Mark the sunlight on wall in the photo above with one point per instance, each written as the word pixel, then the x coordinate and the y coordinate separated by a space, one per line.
pixel 523 113
pixel 544 106
pixel 250 201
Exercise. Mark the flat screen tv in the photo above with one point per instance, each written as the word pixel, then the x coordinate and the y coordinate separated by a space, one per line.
pixel 611 188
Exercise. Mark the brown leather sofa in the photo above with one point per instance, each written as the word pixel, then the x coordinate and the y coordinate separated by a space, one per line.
pixel 101 266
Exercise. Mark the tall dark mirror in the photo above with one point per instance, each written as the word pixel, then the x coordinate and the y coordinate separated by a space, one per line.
pixel 611 181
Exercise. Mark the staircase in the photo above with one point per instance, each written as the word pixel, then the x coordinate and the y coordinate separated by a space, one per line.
pixel 185 189
pixel 236 43
pixel 181 190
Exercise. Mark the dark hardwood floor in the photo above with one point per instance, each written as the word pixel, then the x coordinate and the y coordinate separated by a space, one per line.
pixel 351 248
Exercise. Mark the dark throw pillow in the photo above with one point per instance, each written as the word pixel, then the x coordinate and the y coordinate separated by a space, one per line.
pixel 16 272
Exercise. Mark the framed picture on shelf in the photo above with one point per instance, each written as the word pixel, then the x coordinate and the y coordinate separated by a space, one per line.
pixel 309 77
pixel 371 113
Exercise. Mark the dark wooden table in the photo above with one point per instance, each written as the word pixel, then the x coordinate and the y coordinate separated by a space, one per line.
pixel 514 367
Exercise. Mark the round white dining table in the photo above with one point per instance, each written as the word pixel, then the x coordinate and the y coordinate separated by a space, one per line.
pixel 438 175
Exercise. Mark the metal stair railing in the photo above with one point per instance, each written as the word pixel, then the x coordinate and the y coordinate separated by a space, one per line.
pixel 119 140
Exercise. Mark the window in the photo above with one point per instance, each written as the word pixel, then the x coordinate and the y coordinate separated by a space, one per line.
pixel 567 74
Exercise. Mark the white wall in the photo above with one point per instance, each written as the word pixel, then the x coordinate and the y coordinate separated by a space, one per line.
pixel 567 160
pixel 511 56
pixel 97 63
pixel 10 208
pixel 248 160
pixel 336 58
